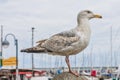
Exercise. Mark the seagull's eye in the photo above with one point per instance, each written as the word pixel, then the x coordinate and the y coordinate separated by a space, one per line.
pixel 88 11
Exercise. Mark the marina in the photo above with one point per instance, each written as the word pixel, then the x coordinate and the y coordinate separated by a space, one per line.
pixel 43 74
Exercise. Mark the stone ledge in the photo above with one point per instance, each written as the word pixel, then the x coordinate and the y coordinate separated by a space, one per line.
pixel 68 76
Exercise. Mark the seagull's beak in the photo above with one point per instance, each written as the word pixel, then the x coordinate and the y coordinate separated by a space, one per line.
pixel 97 16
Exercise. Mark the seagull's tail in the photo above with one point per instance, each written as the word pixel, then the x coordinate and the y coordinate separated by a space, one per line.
pixel 33 50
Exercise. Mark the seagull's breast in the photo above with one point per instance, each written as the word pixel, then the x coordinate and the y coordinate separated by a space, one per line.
pixel 82 43
pixel 84 35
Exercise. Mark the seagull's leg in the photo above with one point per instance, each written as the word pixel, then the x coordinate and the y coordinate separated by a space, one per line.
pixel 68 64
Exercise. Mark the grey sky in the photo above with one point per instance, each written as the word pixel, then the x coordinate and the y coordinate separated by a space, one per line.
pixel 53 16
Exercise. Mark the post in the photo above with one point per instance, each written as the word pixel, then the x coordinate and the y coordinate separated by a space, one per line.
pixel 17 71
pixel 32 53
pixel 1 45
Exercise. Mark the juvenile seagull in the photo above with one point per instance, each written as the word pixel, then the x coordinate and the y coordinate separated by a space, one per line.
pixel 68 42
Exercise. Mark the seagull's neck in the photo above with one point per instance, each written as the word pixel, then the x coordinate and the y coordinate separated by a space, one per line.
pixel 84 22
pixel 84 26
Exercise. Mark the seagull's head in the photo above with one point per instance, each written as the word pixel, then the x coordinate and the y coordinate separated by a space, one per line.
pixel 88 14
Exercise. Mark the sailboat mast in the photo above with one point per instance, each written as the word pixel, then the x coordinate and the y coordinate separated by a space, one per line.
pixel 111 45
pixel 91 58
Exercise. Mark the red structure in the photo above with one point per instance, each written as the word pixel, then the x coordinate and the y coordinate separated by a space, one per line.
pixel 93 73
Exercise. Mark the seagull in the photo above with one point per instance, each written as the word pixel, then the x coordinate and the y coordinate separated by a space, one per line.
pixel 69 42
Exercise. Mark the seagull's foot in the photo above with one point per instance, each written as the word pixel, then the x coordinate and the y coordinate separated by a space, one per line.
pixel 74 73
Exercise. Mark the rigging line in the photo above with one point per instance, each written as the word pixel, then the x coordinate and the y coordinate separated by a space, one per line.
pixel 115 38
pixel 91 57
pixel 75 60
pixel 115 58
pixel 117 51
pixel 117 33
pixel 83 59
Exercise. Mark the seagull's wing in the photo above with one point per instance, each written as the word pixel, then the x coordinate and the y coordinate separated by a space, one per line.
pixel 58 44
pixel 61 41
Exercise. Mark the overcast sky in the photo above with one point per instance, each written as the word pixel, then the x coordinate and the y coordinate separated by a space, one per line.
pixel 53 16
